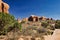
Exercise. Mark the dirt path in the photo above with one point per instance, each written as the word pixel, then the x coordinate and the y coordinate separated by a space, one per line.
pixel 55 36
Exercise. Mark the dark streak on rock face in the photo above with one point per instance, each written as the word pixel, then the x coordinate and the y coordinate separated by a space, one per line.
pixel 2 7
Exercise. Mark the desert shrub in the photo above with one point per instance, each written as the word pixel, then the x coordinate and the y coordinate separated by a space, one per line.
pixel 41 30
pixel 57 24
pixel 44 24
pixel 51 27
pixel 7 23
pixel 17 26
pixel 22 22
pixel 6 20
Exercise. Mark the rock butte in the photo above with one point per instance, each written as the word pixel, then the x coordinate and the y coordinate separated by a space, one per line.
pixel 4 7
pixel 35 18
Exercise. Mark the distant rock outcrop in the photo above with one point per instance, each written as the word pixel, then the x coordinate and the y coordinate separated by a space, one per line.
pixel 4 7
pixel 42 18
pixel 34 18
pixel 25 19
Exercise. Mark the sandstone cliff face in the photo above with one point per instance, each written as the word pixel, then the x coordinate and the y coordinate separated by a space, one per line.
pixel 4 7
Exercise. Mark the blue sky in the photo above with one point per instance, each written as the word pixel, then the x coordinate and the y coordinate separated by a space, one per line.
pixel 25 8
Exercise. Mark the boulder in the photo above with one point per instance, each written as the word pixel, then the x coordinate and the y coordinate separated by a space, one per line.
pixel 4 7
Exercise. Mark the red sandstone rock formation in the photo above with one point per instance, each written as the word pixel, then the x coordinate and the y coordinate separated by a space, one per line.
pixel 25 19
pixel 4 7
pixel 33 18
pixel 42 18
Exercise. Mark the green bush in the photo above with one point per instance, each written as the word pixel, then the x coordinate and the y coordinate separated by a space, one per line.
pixel 57 24
pixel 17 25
pixel 7 23
pixel 44 24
